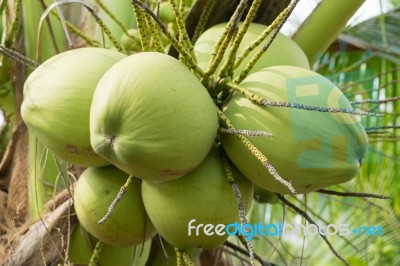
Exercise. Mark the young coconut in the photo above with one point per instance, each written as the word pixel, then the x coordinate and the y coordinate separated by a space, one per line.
pixel 94 192
pixel 152 117
pixel 283 50
pixel 204 195
pixel 57 99
pixel 310 149
pixel 81 245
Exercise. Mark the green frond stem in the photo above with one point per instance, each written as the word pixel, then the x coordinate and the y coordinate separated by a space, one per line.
pixel 42 168
pixel 179 11
pixel 246 132
pixel 311 221
pixel 109 34
pixel 239 201
pixel 219 51
pixel 94 260
pixel 179 257
pixel 186 55
pixel 82 35
pixel 10 39
pixel 227 68
pixel 155 39
pixel 229 34
pixel 51 34
pixel 186 259
pixel 117 199
pixel 353 194
pixel 204 16
pixel 257 153
pixel 270 103
pixel 71 27
pixel 104 28
pixel 281 19
pixel 64 26
pixel 264 34
pixel 142 27
pixel 112 16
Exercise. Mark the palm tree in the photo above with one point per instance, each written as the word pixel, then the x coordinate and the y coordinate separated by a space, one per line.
pixel 362 61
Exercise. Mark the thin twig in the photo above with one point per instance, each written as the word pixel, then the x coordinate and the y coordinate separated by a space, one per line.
pixel 353 194
pixel 245 252
pixel 271 103
pixel 20 58
pixel 311 221
pixel 386 100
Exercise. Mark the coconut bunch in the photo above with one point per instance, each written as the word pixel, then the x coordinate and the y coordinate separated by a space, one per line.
pixel 164 140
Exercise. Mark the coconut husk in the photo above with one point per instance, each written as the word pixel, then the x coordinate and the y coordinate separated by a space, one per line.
pixel 43 242
pixel 15 171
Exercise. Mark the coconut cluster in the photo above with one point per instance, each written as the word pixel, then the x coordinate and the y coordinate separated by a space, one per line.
pixel 148 119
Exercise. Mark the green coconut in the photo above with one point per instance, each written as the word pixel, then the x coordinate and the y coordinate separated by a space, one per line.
pixel 310 149
pixel 57 99
pixel 130 41
pixel 204 195
pixel 283 50
pixel 152 117
pixel 166 12
pixel 95 190
pixel 81 245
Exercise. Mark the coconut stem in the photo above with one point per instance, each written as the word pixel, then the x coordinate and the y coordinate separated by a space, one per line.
pixel 117 199
pixel 227 68
pixel 230 32
pixel 179 257
pixel 205 14
pixel 257 153
pixel 186 55
pixel 186 259
pixel 142 27
pixel 96 254
pixel 270 103
pixel 154 34
pixel 183 35
pixel 239 201
pixel 10 37
pixel 278 23
pixel 112 16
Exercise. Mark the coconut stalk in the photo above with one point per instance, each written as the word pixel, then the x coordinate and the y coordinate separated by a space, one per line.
pixel 323 26
pixel 118 16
